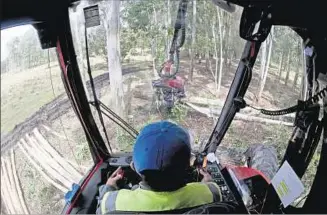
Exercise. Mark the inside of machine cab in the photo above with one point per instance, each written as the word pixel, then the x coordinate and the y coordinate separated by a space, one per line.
pixel 247 81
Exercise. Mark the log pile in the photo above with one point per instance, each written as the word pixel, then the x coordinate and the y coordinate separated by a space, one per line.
pixel 48 162
pixel 11 190
pixel 53 168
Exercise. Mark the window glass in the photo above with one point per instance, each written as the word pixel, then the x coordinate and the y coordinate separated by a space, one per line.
pixel 43 146
pixel 139 36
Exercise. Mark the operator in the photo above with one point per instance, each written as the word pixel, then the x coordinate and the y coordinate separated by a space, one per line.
pixel 161 155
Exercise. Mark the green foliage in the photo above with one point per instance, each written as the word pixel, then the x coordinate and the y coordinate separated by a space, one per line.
pixel 97 42
pixel 178 113
pixel 24 52
pixel 128 43
pixel 136 14
pixel 124 140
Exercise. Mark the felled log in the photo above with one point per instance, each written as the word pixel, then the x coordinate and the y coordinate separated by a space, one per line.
pixel 5 187
pixel 210 113
pixel 77 176
pixel 54 132
pixel 17 183
pixel 4 201
pixel 43 161
pixel 13 187
pixel 49 159
pixel 216 106
pixel 41 171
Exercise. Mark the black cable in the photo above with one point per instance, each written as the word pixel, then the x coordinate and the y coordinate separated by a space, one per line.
pixel 97 106
pixel 312 100
pixel 319 95
pixel 275 112
pixel 179 26
pixel 176 45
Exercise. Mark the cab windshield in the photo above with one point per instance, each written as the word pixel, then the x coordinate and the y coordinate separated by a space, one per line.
pixel 43 145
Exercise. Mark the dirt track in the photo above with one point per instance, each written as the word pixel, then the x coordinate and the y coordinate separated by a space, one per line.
pixel 51 111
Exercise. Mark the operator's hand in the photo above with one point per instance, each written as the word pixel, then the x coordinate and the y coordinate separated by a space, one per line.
pixel 206 176
pixel 115 176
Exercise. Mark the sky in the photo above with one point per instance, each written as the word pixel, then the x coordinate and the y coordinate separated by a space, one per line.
pixel 8 34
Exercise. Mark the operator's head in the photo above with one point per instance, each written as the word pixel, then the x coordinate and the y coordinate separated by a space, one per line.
pixel 162 154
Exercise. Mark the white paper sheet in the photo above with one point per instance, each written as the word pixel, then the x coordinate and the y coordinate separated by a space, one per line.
pixel 287 184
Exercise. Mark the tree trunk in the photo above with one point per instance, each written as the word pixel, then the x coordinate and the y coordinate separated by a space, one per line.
pixel 78 25
pixel 298 69
pixel 263 59
pixel 304 83
pixel 281 60
pixel 206 52
pixel 262 68
pixel 264 78
pixel 229 49
pixel 216 53
pixel 220 49
pixel 154 43
pixel 168 20
pixel 296 78
pixel 269 52
pixel 193 39
pixel 206 56
pixel 114 64
pixel 288 66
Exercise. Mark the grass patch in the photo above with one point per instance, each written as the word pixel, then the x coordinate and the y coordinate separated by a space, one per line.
pixel 26 94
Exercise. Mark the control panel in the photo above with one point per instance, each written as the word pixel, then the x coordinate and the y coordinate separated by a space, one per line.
pixel 217 176
pixel 124 160
pixel 121 161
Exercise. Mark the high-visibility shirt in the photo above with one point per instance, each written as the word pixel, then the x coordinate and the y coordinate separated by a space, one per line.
pixel 143 200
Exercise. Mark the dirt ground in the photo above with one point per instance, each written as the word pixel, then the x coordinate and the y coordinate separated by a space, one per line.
pixel 140 110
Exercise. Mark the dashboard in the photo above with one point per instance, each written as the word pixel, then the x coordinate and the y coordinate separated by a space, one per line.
pixel 232 196
pixel 221 176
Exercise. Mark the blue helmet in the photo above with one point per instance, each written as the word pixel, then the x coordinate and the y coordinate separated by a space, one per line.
pixel 161 145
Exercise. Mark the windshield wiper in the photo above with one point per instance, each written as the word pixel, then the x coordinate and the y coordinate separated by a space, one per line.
pixel 96 101
pixel 116 119
pixel 98 105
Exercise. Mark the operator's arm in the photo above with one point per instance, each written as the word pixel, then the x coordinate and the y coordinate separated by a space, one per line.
pixel 214 188
pixel 111 185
